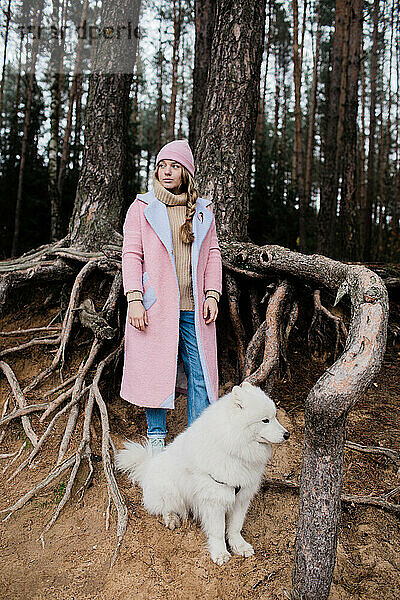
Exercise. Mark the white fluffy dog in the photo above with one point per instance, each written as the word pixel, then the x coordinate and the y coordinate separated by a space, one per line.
pixel 212 469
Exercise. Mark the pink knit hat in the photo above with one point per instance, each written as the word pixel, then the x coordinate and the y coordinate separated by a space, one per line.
pixel 180 151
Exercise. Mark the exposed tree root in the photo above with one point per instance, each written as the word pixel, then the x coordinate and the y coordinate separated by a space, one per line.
pixel 48 341
pixel 108 465
pixel 50 477
pixel 20 401
pixel 316 337
pixel 233 293
pixel 379 502
pixel 17 454
pixel 388 452
pixel 20 412
pixel 269 335
pixel 68 401
pixel 332 397
pixel 51 328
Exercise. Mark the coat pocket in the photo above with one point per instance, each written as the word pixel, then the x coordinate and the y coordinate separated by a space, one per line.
pixel 149 295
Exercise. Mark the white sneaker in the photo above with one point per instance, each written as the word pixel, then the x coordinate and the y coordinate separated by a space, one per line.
pixel 157 444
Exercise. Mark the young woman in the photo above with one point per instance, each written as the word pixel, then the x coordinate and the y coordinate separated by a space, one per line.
pixel 172 277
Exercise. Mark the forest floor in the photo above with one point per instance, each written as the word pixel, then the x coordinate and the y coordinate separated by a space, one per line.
pixel 155 563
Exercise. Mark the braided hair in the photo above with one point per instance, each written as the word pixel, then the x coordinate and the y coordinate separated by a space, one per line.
pixel 189 186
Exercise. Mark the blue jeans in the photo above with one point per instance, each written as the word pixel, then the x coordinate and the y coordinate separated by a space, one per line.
pixel 197 397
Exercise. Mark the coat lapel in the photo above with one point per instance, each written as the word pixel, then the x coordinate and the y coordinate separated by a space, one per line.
pixel 157 216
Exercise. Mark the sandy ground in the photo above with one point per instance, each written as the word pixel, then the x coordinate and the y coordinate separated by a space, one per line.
pixel 155 563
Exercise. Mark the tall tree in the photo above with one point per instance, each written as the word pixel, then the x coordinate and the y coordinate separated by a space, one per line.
pixel 71 100
pixel 3 71
pixel 160 81
pixel 223 151
pixel 348 208
pixel 55 108
pixel 177 19
pixel 298 136
pixel 204 28
pixel 312 113
pixel 27 118
pixel 366 212
pixel 100 195
pixel 332 143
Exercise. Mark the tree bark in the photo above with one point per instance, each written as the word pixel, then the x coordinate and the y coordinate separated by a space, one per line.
pixel 260 125
pixel 396 199
pixel 329 187
pixel 99 201
pixel 160 78
pixel 349 212
pixel 204 29
pixel 298 136
pixel 311 122
pixel 71 100
pixel 55 204
pixel 361 171
pixel 175 62
pixel 7 14
pixel 366 216
pixel 24 145
pixel 223 150
pixel 78 125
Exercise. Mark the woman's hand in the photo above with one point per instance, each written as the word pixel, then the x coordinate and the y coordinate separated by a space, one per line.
pixel 210 310
pixel 137 315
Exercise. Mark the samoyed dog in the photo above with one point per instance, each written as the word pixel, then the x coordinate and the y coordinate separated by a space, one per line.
pixel 212 469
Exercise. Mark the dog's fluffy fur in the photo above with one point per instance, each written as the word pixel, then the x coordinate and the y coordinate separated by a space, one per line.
pixel 212 469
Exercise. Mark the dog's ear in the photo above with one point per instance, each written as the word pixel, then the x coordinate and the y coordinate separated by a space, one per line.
pixel 246 385
pixel 236 396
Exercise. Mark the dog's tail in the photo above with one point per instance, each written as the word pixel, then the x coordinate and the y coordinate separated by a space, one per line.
pixel 134 460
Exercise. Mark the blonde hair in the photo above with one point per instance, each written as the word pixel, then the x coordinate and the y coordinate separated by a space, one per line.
pixel 189 186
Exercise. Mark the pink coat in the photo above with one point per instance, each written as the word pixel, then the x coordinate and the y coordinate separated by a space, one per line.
pixel 151 356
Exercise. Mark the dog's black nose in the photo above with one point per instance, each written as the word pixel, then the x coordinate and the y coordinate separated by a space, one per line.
pixel 286 435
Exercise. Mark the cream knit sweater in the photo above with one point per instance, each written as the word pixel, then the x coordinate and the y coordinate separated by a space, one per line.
pixel 176 209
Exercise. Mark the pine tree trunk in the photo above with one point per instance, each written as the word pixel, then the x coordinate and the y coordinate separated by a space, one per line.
pixel 71 100
pixel 223 150
pixel 311 120
pixel 366 216
pixel 298 183
pixel 361 177
pixel 101 189
pixel 78 125
pixel 182 90
pixel 349 212
pixel 276 116
pixel 204 27
pixel 175 63
pixel 136 146
pixel 396 200
pixel 55 204
pixel 3 71
pixel 24 145
pixel 260 125
pixel 160 79
pixel 387 148
pixel 14 140
pixel 329 187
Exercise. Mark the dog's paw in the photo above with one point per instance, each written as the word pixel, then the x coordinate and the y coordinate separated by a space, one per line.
pixel 172 521
pixel 240 547
pixel 220 557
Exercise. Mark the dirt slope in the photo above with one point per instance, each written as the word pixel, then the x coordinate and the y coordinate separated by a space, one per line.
pixel 157 563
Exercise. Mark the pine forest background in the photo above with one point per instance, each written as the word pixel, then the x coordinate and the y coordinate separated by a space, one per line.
pixel 317 185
